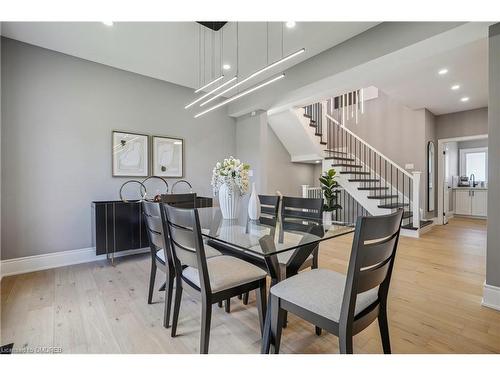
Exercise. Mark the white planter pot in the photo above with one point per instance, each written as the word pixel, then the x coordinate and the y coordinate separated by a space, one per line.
pixel 254 205
pixel 229 201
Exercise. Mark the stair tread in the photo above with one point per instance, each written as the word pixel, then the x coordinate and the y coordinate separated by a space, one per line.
pixel 388 196
pixel 347 165
pixel 363 180
pixel 322 143
pixel 393 205
pixel 354 172
pixel 407 214
pixel 306 115
pixel 338 158
pixel 373 188
pixel 338 152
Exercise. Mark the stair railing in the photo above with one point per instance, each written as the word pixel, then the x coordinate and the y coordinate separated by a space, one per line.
pixel 376 173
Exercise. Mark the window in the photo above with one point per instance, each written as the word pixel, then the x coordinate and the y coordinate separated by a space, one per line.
pixel 474 161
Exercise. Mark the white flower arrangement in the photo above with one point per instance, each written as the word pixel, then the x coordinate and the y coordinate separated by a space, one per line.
pixel 233 173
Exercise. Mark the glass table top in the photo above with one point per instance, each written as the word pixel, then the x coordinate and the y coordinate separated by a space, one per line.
pixel 268 236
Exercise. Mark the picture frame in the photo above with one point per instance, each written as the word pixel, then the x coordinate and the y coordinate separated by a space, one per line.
pixel 167 156
pixel 129 154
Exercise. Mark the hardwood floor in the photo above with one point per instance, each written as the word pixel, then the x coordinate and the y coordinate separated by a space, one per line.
pixel 434 305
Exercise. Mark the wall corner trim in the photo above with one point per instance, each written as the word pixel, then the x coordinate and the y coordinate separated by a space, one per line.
pixel 491 296
pixel 33 263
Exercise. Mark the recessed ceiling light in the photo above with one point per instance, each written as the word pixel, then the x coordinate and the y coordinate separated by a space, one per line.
pixel 317 161
pixel 290 24
pixel 226 66
pixel 443 71
pixel 465 99
pixel 455 87
pixel 108 23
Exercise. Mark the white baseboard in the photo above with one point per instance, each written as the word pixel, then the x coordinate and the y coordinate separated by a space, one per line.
pixel 52 260
pixel 491 296
pixel 413 233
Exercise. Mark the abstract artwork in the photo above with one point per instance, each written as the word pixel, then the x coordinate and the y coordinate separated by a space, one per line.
pixel 130 154
pixel 168 157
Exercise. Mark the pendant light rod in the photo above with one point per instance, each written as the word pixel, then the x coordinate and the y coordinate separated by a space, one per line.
pixel 253 75
pixel 210 92
pixel 243 93
pixel 209 84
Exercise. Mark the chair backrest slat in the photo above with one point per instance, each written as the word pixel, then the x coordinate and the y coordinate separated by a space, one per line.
pixel 308 208
pixel 372 277
pixel 184 200
pixel 377 252
pixel 269 206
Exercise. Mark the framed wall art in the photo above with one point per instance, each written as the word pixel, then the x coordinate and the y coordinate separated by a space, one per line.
pixel 130 154
pixel 168 157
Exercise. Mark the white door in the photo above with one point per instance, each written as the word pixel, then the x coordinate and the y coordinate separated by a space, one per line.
pixel 463 201
pixel 479 203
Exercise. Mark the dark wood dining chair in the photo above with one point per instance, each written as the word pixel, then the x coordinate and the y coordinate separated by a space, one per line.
pixel 344 305
pixel 297 214
pixel 217 278
pixel 159 255
pixel 183 200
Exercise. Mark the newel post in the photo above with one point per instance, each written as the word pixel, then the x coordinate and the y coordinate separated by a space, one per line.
pixel 304 190
pixel 416 199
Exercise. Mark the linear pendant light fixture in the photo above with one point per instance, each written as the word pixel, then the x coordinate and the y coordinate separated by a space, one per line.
pixel 210 92
pixel 243 93
pixel 291 56
pixel 209 84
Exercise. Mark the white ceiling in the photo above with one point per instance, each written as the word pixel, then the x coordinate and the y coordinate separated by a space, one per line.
pixel 170 50
pixel 417 83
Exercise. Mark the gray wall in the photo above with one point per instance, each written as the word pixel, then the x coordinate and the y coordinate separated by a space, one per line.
pixel 493 242
pixel 258 145
pixel 461 124
pixel 57 115
pixel 476 143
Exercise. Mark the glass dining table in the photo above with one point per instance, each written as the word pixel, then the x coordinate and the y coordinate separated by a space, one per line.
pixel 262 242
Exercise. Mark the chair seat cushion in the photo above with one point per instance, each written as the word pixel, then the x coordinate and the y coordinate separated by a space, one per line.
pixel 321 292
pixel 226 272
pixel 209 252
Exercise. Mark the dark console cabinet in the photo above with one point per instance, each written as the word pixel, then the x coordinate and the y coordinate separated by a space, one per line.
pixel 118 226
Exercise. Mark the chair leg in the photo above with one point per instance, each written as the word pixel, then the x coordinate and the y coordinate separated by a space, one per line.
pixel 384 330
pixel 227 305
pixel 318 331
pixel 245 298
pixel 162 288
pixel 315 260
pixel 345 343
pixel 152 278
pixel 177 306
pixel 285 319
pixel 261 305
pixel 219 303
pixel 169 291
pixel 206 317
pixel 240 296
pixel 277 316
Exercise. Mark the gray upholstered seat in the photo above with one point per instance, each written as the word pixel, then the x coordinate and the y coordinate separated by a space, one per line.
pixel 226 272
pixel 188 258
pixel 321 292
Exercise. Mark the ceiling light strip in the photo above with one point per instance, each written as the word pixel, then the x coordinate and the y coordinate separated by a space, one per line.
pixel 210 93
pixel 209 84
pixel 291 56
pixel 243 93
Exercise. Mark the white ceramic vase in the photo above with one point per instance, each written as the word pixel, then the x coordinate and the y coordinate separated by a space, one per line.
pixel 229 201
pixel 254 205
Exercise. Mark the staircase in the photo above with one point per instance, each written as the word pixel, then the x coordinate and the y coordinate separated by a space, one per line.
pixel 365 175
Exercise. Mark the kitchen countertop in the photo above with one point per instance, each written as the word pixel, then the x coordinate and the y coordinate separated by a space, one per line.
pixel 469 188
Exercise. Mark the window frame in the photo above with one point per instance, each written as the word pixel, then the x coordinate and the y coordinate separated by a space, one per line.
pixel 463 160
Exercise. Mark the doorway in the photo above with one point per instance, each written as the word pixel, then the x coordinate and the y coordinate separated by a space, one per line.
pixel 459 159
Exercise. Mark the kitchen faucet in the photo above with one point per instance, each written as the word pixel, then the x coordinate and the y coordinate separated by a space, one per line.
pixel 473 179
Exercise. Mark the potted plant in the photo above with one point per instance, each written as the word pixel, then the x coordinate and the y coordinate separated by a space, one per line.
pixel 230 180
pixel 328 186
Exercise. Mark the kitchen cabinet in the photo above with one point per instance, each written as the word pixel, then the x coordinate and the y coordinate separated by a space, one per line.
pixel 471 202
pixel 479 203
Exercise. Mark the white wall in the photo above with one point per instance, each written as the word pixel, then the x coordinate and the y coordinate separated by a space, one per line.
pixel 57 116
pixel 461 124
